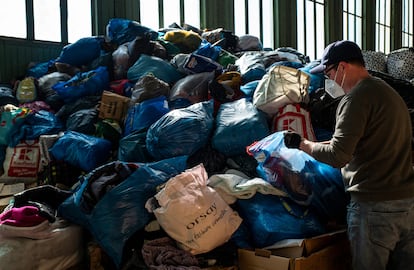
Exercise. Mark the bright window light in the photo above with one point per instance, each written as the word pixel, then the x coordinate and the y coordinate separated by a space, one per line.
pixel 13 19
pixel 383 26
pixel 171 12
pixel 149 14
pixel 239 18
pixel 408 17
pixel 192 12
pixel 255 19
pixel 79 20
pixel 47 20
pixel 311 33
pixel 268 30
pixel 352 20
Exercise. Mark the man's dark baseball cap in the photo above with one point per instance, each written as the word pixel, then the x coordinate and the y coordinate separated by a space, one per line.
pixel 343 50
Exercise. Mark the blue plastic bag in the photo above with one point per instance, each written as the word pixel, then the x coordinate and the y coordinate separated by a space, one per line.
pixel 120 31
pixel 132 148
pixel 271 218
pixel 81 150
pixel 40 69
pixel 181 131
pixel 142 115
pixel 36 124
pixel 120 212
pixel 208 50
pixel 238 125
pixel 82 52
pixel 248 88
pixel 251 66
pixel 90 83
pixel 306 180
pixel 156 66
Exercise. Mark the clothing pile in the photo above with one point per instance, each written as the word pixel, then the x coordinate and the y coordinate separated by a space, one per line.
pixel 163 150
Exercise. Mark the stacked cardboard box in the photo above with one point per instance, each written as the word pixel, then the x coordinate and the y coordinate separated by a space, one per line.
pixel 324 252
pixel 113 106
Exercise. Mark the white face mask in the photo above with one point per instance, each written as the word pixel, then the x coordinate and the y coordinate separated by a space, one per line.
pixel 333 89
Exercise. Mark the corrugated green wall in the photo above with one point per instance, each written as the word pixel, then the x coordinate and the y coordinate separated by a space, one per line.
pixel 16 55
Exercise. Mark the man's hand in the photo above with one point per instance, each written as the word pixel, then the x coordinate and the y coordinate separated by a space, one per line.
pixel 292 139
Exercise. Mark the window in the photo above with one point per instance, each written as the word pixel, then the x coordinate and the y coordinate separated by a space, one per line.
pixel 13 19
pixel 171 12
pixel 407 23
pixel 47 20
pixel 255 17
pixel 352 20
pixel 311 33
pixel 268 22
pixel 383 26
pixel 150 13
pixel 192 12
pixel 79 16
pixel 240 17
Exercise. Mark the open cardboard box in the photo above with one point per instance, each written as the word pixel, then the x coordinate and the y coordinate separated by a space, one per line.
pixel 324 252
pixel 7 191
pixel 113 106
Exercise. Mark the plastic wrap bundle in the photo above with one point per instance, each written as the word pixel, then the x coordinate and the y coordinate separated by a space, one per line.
pixel 271 218
pixel 193 87
pixel 110 200
pixel 306 180
pixel 156 66
pixel 84 84
pixel 119 31
pixel 181 131
pixel 238 124
pixel 81 150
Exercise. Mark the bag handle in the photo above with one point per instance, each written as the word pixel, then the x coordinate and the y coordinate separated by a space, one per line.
pixel 290 210
pixel 298 74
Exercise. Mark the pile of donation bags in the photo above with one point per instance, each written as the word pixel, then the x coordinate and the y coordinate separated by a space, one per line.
pixel 171 141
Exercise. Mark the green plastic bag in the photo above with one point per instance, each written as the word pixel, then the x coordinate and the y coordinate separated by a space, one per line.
pixel 11 121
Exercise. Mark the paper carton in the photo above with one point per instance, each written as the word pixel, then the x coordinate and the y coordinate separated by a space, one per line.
pixel 113 106
pixel 324 252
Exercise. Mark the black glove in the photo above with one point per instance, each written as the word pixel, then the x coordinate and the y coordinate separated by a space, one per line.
pixel 292 139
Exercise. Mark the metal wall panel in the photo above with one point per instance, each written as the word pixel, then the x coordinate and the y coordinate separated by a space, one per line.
pixel 17 54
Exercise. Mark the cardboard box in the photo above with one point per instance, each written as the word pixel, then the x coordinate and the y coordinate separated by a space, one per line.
pixel 113 106
pixel 7 192
pixel 324 252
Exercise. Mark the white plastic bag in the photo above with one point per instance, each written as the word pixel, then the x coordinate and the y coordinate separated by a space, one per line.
pixel 47 246
pixel 280 86
pixel 294 118
pixel 193 213
pixel 21 163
